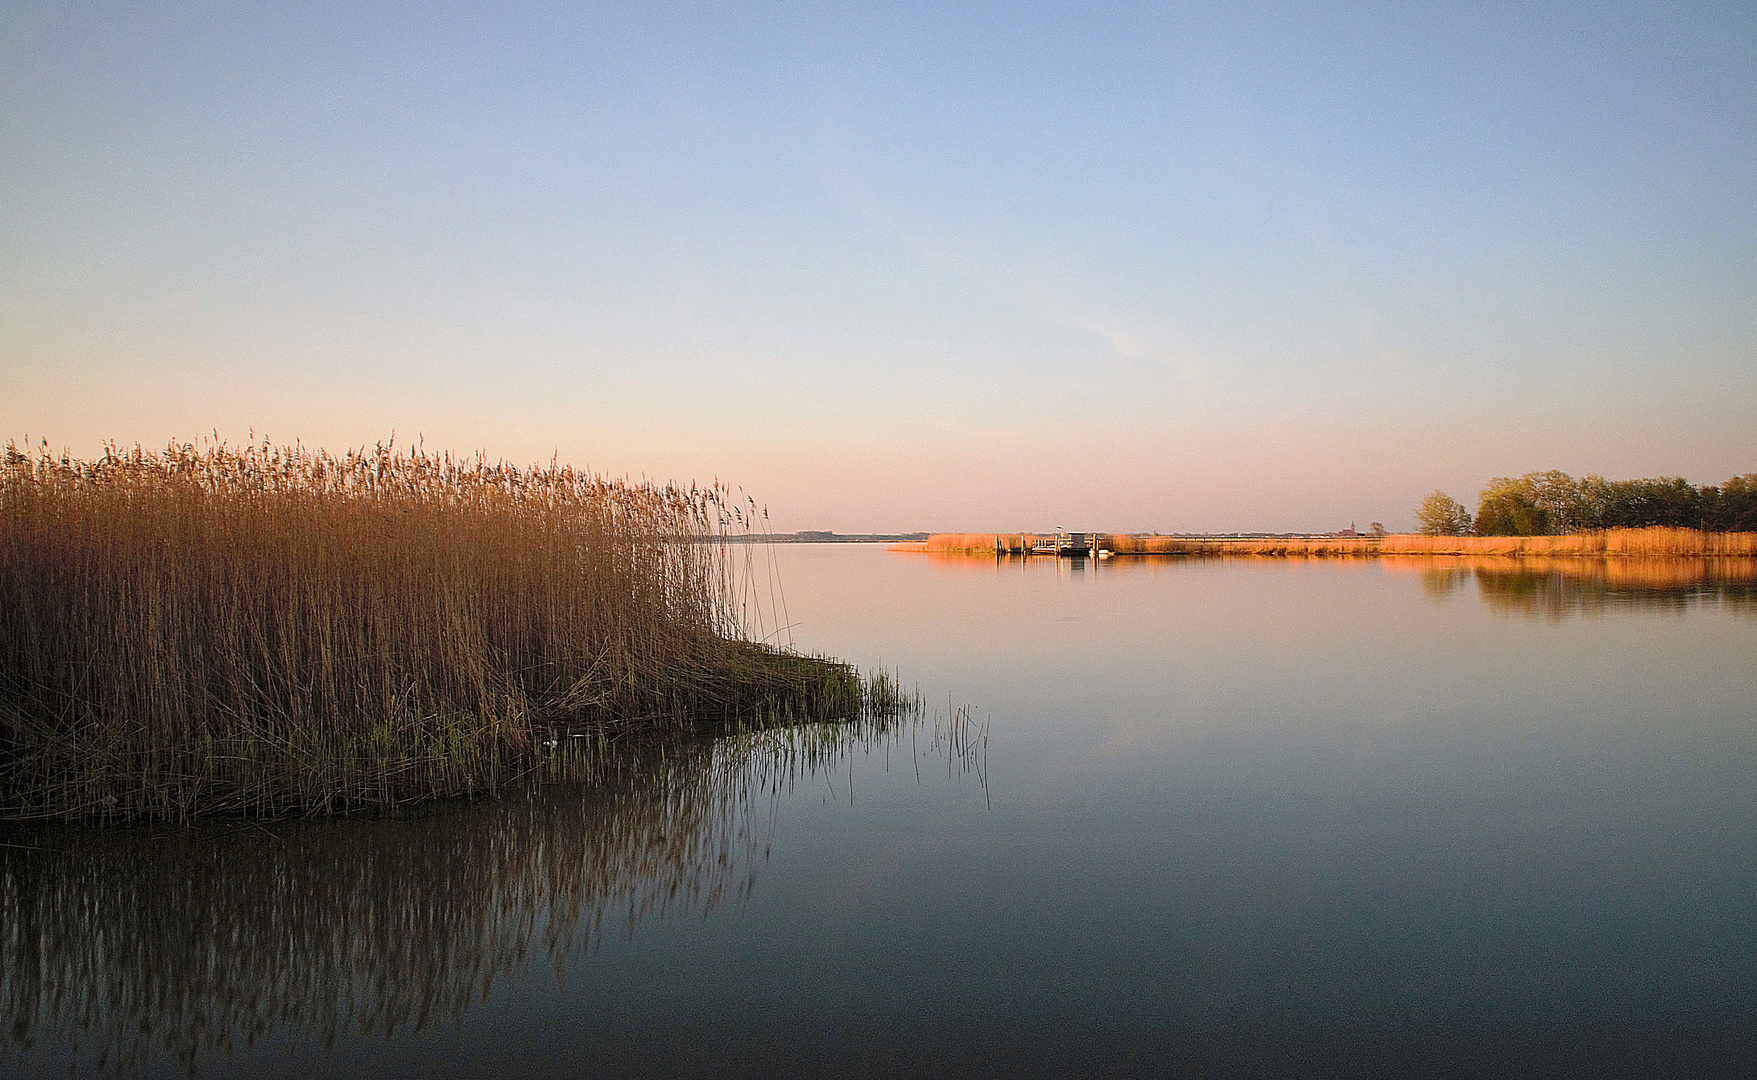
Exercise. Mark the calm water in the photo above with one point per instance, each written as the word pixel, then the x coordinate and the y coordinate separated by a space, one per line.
pixel 1228 819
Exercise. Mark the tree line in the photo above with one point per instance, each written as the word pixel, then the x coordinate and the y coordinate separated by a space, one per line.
pixel 1552 503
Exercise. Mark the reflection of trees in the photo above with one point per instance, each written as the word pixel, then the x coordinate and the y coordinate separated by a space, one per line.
pixel 1560 588
pixel 117 946
pixel 1441 582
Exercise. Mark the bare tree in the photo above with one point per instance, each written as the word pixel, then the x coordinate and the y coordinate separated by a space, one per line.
pixel 1442 515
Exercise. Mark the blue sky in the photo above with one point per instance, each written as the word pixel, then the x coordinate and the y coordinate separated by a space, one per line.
pixel 902 266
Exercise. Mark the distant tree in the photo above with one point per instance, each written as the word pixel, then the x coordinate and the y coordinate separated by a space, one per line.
pixel 1509 507
pixel 1560 497
pixel 1592 497
pixel 1545 503
pixel 1377 528
pixel 1665 500
pixel 1732 507
pixel 1442 515
pixel 1536 504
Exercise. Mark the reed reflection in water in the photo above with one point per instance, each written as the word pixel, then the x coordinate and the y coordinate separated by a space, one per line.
pixel 121 949
pixel 1563 588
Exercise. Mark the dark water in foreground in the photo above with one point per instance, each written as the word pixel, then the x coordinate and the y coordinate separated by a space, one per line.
pixel 1230 819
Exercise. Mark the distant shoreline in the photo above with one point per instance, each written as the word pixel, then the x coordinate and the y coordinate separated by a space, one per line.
pixel 1654 541
pixel 814 537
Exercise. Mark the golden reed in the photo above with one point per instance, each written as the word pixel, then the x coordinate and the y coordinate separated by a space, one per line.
pixel 269 630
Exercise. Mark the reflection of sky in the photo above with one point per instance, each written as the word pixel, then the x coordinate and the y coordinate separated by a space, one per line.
pixel 1248 816
pixel 1183 646
pixel 1243 817
pixel 1294 811
pixel 861 260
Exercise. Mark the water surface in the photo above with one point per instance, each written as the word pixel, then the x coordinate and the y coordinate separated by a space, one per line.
pixel 1230 818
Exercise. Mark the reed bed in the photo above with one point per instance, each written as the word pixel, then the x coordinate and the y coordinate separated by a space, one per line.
pixel 1656 541
pixel 1123 544
pixel 959 543
pixel 270 630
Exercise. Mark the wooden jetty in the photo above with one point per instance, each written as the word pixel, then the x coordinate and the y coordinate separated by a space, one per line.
pixel 1067 545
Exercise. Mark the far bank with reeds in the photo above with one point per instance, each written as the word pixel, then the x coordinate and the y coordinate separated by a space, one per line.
pixel 269 630
pixel 1607 542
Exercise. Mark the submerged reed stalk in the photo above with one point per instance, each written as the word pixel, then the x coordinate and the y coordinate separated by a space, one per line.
pixel 270 630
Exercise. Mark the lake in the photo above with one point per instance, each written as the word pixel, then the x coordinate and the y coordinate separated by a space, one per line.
pixel 1162 818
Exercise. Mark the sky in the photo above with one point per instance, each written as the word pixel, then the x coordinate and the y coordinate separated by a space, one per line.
pixel 891 267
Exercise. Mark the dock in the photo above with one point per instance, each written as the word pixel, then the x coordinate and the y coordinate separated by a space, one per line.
pixel 1067 545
